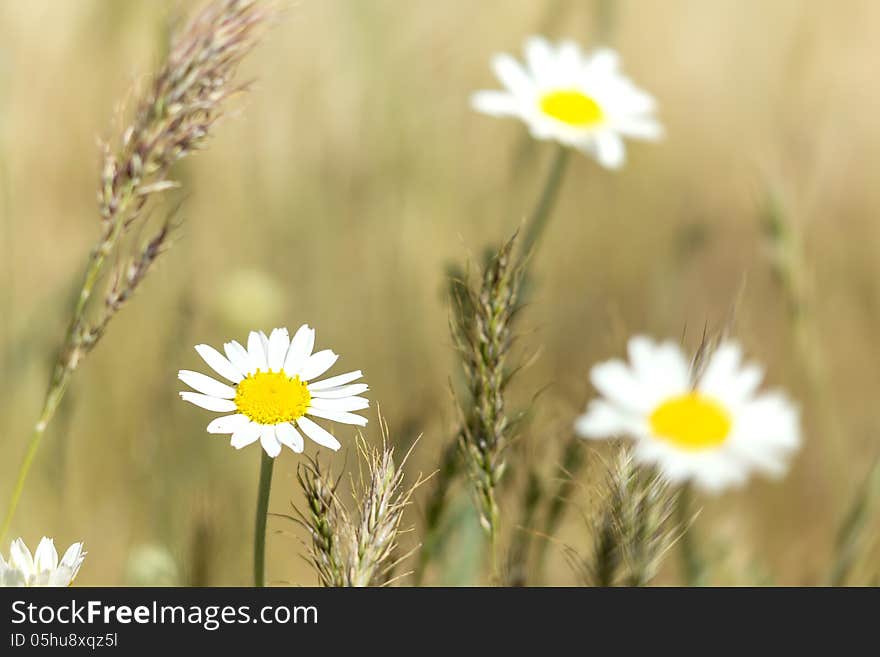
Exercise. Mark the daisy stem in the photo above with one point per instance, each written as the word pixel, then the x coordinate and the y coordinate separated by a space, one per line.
pixel 693 564
pixel 262 513
pixel 541 214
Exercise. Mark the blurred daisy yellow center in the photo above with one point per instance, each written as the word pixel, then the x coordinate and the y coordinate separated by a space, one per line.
pixel 572 107
pixel 272 397
pixel 691 421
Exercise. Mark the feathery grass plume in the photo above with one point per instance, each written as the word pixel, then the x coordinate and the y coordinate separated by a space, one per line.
pixel 173 118
pixel 358 550
pixel 850 543
pixel 635 527
pixel 484 346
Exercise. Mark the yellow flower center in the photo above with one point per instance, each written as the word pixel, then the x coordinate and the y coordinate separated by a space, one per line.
pixel 272 397
pixel 691 421
pixel 572 107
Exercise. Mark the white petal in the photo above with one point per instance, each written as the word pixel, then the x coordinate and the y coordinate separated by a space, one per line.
pixel 540 57
pixel 205 384
pixel 610 150
pixel 639 128
pixel 12 578
pixel 569 58
pixel 317 364
pixel 239 357
pixel 335 381
pixel 209 403
pixel 603 61
pixel 246 435
pixel 318 434
pixel 73 558
pixel 344 404
pixel 718 474
pixel 769 422
pixel 338 416
pixel 616 382
pixel 279 343
pixel 228 423
pixel 45 556
pixel 341 391
pixel 219 363
pixel 257 351
pixel 288 435
pixel 269 441
pixel 20 557
pixel 495 103
pixel 300 349
pixel 627 99
pixel 512 75
pixel 603 420
pixel 61 577
pixel 662 369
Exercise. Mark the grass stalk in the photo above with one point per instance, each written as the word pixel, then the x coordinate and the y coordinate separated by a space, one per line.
pixel 851 533
pixel 173 119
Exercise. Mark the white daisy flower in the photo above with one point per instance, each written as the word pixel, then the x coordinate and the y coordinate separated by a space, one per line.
pixel 712 428
pixel 43 568
pixel 580 100
pixel 274 389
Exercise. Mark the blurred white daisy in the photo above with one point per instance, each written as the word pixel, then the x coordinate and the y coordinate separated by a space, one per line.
pixel 43 568
pixel 712 428
pixel 580 100
pixel 274 389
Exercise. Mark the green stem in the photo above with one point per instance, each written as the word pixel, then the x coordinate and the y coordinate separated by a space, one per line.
pixel 693 564
pixel 493 554
pixel 260 525
pixel 537 223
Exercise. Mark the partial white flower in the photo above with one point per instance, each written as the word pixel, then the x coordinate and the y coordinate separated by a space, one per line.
pixel 43 568
pixel 578 99
pixel 271 389
pixel 713 428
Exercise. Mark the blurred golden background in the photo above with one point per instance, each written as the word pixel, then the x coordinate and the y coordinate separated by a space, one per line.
pixel 341 188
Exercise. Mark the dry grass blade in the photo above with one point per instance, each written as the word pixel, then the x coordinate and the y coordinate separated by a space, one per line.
pixel 851 538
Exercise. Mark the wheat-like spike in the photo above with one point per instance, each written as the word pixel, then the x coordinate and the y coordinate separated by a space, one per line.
pixel 484 343
pixel 357 549
pixel 324 519
pixel 382 501
pixel 635 528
